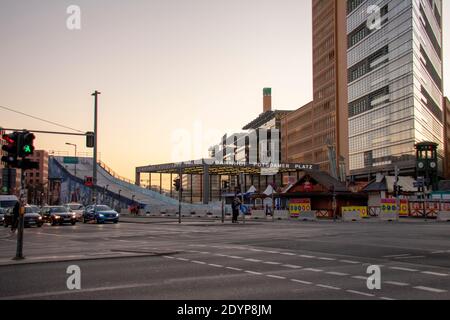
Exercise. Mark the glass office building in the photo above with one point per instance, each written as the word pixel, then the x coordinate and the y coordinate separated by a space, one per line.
pixel 394 82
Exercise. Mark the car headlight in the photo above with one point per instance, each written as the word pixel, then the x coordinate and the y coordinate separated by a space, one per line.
pixel 40 218
pixel 117 214
pixel 100 215
pixel 57 217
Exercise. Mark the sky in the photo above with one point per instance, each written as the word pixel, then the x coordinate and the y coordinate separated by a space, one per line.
pixel 174 75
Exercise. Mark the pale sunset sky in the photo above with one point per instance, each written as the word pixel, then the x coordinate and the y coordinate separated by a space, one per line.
pixel 198 66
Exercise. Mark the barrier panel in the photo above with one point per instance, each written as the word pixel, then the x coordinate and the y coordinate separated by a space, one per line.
pixel 389 216
pixel 281 215
pixel 258 214
pixel 443 216
pixel 351 216
pixel 307 216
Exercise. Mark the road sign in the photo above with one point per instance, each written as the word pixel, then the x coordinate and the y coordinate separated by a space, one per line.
pixel 70 160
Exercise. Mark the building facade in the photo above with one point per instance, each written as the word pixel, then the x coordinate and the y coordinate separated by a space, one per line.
pixel 36 180
pixel 318 131
pixel 394 83
pixel 447 138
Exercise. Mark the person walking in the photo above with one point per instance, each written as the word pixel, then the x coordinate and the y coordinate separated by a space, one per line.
pixel 235 207
pixel 15 217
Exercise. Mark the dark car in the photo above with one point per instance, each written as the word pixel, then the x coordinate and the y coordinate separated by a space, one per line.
pixel 100 214
pixel 32 217
pixel 2 215
pixel 58 215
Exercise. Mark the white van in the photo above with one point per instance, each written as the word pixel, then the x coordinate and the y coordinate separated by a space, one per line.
pixel 8 201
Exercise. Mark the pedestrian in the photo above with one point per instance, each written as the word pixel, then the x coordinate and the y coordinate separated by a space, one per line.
pixel 15 217
pixel 235 207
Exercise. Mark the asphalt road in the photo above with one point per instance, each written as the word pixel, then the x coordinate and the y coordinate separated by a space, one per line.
pixel 159 259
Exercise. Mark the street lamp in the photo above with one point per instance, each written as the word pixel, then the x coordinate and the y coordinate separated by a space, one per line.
pixel 74 145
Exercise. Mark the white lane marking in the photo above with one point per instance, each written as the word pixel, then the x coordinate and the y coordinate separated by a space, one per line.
pixel 272 251
pixel 198 262
pixel 275 277
pixel 306 256
pixel 397 255
pixel 235 257
pixel 256 250
pixel 326 259
pixel 313 270
pixel 403 269
pixel 215 265
pixel 182 259
pixel 410 257
pixel 395 283
pixel 252 260
pixel 288 254
pixel 341 274
pixel 435 273
pixel 430 289
pixel 234 269
pixel 291 266
pixel 327 287
pixel 359 277
pixel 169 257
pixel 271 262
pixel 386 298
pixel 361 293
pixel 253 272
pixel 221 255
pixel 301 281
pixel 349 261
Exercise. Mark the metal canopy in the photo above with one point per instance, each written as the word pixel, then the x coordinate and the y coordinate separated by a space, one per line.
pixel 222 168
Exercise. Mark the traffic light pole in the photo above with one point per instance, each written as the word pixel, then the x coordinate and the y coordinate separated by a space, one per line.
pixel 180 196
pixel 94 165
pixel 19 249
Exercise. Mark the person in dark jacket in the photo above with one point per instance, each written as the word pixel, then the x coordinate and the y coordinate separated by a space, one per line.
pixel 15 217
pixel 235 207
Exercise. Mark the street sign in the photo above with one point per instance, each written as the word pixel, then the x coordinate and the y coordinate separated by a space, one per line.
pixel 70 160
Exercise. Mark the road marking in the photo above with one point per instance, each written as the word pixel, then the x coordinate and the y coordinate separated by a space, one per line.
pixel 182 259
pixel 306 256
pixel 271 262
pixel 313 270
pixel 359 277
pixel 275 277
pixel 256 250
pixel 301 281
pixel 435 273
pixel 327 259
pixel 327 287
pixel 221 255
pixel 291 266
pixel 430 289
pixel 253 272
pixel 215 265
pixel 235 257
pixel 410 257
pixel 169 257
pixel 403 269
pixel 234 269
pixel 252 260
pixel 397 255
pixel 361 293
pixel 349 261
pixel 288 254
pixel 395 283
pixel 337 273
pixel 385 298
pixel 198 262
pixel 272 251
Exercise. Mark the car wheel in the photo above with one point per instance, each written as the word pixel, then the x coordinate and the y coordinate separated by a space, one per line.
pixel 115 222
pixel 73 223
pixel 39 225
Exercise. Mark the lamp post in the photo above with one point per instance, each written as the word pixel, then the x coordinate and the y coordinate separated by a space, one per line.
pixel 74 145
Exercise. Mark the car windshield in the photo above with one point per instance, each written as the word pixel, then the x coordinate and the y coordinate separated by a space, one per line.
pixel 59 210
pixel 102 208
pixel 8 203
pixel 75 206
pixel 31 210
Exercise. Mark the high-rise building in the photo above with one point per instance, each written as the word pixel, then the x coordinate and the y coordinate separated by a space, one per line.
pixel 394 83
pixel 447 138
pixel 312 130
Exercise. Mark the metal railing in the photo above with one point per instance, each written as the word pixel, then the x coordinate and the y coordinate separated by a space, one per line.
pixel 113 173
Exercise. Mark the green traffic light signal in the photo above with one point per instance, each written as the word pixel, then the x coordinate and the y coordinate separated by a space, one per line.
pixel 27 149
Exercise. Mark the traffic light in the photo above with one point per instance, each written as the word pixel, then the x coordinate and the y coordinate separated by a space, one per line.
pixel 11 147
pixel 90 141
pixel 177 184
pixel 27 164
pixel 26 145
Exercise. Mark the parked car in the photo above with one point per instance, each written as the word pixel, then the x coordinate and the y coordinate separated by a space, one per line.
pixel 8 201
pixel 100 214
pixel 58 215
pixel 76 208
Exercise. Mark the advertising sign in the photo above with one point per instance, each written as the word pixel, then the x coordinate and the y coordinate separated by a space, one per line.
pixel 363 211
pixel 299 205
pixel 404 208
pixel 388 206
